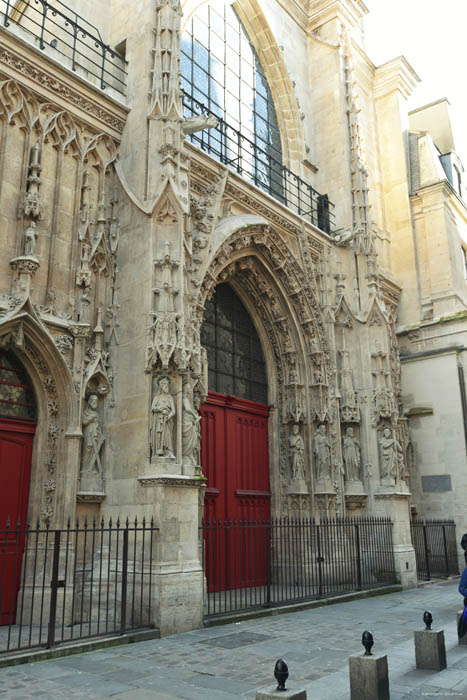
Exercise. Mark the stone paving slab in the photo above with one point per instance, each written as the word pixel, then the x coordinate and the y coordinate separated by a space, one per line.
pixel 230 662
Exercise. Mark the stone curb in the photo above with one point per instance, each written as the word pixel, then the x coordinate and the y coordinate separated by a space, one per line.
pixel 79 647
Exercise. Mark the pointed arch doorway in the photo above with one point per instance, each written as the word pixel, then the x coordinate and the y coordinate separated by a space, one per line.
pixel 234 436
pixel 18 417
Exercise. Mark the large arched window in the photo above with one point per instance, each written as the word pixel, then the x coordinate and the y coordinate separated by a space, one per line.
pixel 222 75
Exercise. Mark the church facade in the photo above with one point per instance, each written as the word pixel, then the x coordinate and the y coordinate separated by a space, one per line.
pixel 212 230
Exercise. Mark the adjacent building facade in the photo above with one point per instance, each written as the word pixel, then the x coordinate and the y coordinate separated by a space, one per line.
pixel 231 278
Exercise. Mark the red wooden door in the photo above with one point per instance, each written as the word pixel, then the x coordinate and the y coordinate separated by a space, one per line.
pixel 234 457
pixel 16 438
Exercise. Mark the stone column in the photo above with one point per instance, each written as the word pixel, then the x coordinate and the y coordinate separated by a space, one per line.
pixel 177 598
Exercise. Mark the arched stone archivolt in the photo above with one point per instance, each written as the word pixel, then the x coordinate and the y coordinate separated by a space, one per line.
pixel 277 75
pixel 55 455
pixel 270 282
pixel 298 291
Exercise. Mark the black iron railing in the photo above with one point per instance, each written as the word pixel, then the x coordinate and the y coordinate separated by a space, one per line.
pixel 253 162
pixel 435 547
pixel 259 564
pixel 83 581
pixel 57 26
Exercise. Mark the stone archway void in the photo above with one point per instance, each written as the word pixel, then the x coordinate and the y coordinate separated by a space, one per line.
pixel 234 444
pixel 17 427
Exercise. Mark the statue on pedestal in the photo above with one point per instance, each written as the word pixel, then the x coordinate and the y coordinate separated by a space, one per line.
pixel 297 454
pixel 30 239
pixel 322 454
pixel 93 438
pixel 163 413
pixel 351 454
pixel 392 459
pixel 190 427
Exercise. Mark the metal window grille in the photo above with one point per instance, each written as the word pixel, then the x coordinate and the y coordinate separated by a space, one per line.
pixel 435 547
pixel 83 581
pixel 54 24
pixel 222 76
pixel 265 563
pixel 235 357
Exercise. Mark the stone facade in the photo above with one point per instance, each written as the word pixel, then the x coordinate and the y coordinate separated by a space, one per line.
pixel 116 229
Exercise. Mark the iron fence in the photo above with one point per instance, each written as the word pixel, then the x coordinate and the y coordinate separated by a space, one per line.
pixel 55 25
pixel 248 159
pixel 266 563
pixel 75 583
pixel 435 547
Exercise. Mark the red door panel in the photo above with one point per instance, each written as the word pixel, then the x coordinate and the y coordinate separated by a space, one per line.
pixel 234 456
pixel 16 438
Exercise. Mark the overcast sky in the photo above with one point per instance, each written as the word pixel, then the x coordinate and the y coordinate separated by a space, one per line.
pixel 432 35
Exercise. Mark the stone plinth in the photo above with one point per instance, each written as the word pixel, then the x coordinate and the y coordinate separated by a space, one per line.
pixel 430 650
pixel 369 679
pixel 355 496
pixel 283 694
pixel 462 640
pixel 24 267
pixel 298 487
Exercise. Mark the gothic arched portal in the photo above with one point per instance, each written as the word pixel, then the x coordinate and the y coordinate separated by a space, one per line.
pixel 234 445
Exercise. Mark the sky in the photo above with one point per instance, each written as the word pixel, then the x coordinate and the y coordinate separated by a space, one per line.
pixel 432 35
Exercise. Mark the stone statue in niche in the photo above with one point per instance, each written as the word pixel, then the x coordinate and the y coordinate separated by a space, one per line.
pixel 190 427
pixel 163 413
pixel 322 454
pixel 30 239
pixel 297 454
pixel 93 439
pixel 351 454
pixel 84 306
pixel 392 459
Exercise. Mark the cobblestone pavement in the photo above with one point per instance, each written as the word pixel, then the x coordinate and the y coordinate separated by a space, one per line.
pixel 232 661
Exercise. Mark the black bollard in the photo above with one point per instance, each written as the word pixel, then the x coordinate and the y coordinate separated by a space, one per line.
pixel 427 619
pixel 367 641
pixel 281 673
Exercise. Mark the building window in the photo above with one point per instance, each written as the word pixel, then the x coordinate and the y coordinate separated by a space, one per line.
pixel 458 182
pixel 16 394
pixel 221 74
pixel 464 260
pixel 235 356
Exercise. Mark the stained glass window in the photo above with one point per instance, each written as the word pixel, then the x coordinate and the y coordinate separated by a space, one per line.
pixel 235 356
pixel 16 394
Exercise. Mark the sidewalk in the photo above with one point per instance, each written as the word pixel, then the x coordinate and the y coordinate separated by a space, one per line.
pixel 233 661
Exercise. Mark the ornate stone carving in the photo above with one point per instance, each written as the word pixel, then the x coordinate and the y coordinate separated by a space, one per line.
pixel 64 343
pixel 361 232
pixel 30 239
pixel 191 432
pixel 322 454
pixel 297 460
pixel 383 404
pixel 44 79
pixel 24 267
pixel 164 323
pixel 163 414
pixel 165 93
pixel 351 455
pixel 53 432
pixel 349 406
pixel 32 205
pixel 391 459
pixel 93 439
